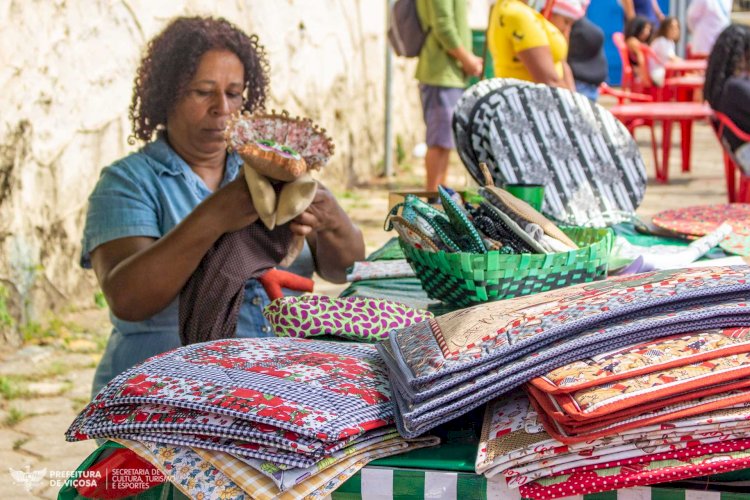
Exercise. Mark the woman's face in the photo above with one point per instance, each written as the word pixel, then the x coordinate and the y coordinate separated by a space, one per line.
pixel 196 123
pixel 673 31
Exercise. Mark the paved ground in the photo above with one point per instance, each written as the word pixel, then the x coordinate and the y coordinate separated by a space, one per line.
pixel 45 384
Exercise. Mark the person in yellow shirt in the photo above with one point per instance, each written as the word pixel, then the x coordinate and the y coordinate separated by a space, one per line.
pixel 526 46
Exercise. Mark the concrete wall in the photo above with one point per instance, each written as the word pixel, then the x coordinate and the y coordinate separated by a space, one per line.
pixel 66 74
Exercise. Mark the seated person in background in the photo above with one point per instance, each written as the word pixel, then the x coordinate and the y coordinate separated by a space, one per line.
pixel 586 57
pixel 637 31
pixel 527 46
pixel 154 214
pixel 664 48
pixel 727 87
pixel 705 20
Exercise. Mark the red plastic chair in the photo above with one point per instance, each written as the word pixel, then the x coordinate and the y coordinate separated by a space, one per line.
pixel 738 190
pixel 689 54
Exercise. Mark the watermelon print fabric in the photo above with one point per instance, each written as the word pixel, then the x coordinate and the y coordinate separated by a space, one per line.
pixel 354 318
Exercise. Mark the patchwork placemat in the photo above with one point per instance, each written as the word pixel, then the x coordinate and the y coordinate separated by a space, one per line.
pixel 446 401
pixel 354 318
pixel 576 425
pixel 643 358
pixel 731 399
pixel 527 133
pixel 115 421
pixel 473 336
pixel 702 219
pixel 324 390
pixel 605 399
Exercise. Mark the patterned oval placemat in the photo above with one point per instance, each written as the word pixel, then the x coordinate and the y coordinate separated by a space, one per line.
pixel 702 219
pixel 590 165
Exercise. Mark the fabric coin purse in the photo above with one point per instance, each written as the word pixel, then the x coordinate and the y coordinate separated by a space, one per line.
pixel 354 318
pixel 469 239
pixel 430 221
pixel 411 234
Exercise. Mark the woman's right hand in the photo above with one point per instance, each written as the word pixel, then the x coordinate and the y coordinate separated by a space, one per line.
pixel 231 207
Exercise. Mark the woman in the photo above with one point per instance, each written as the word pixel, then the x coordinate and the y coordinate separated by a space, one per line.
pixel 154 214
pixel 638 32
pixel 727 86
pixel 664 47
pixel 527 46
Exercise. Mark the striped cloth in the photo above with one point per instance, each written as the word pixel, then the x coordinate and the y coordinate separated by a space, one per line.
pixel 373 483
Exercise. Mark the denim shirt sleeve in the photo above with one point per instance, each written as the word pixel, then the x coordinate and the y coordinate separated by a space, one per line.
pixel 119 206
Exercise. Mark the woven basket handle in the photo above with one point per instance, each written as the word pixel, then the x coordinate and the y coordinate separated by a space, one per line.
pixel 488 180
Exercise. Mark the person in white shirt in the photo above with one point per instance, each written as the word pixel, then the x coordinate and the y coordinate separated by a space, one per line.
pixel 705 20
pixel 664 49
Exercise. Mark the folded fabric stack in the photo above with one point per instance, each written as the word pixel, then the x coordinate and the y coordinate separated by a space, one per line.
pixel 444 367
pixel 267 415
pixel 694 433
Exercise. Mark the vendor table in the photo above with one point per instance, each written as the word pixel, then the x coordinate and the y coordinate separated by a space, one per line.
pixel 447 471
pixel 685 66
pixel 667 112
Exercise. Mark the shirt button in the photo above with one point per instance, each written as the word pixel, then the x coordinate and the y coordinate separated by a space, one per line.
pixel 265 329
pixel 257 300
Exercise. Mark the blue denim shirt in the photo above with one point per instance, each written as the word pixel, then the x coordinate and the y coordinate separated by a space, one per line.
pixel 147 194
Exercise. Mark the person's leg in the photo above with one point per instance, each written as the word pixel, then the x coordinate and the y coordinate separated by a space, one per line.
pixel 436 164
pixel 437 107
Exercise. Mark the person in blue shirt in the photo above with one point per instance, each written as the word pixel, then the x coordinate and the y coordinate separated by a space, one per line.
pixel 154 214
pixel 644 8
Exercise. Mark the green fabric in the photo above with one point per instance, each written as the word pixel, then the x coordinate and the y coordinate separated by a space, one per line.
pixel 448 23
pixel 390 251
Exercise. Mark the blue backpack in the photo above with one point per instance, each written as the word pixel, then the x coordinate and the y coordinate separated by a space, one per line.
pixel 405 32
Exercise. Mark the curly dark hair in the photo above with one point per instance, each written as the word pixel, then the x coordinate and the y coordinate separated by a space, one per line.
pixel 171 61
pixel 729 57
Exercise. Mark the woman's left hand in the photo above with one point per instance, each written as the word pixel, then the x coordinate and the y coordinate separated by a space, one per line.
pixel 334 240
pixel 323 214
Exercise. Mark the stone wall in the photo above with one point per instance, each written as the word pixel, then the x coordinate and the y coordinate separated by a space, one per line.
pixel 66 78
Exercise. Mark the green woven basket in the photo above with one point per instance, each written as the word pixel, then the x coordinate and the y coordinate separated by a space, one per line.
pixel 465 279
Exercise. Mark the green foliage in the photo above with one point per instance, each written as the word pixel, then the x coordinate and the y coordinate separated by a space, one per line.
pixel 99 300
pixel 6 320
pixel 11 388
pixel 14 416
pixel 400 150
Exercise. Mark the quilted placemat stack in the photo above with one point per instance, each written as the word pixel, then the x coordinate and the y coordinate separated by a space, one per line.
pixel 523 443
pixel 274 412
pixel 444 367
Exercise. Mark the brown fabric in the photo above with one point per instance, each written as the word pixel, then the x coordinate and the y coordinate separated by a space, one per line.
pixel 211 299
